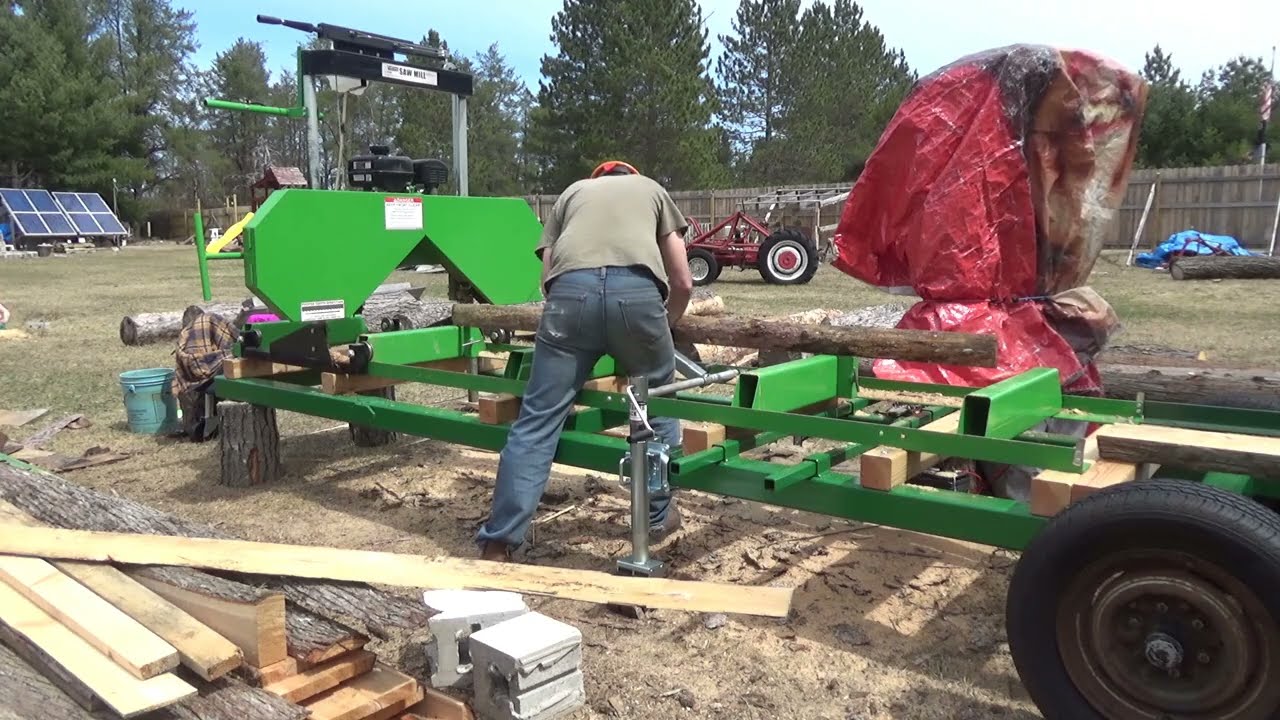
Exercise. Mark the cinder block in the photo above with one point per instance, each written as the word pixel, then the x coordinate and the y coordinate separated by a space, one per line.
pixel 460 614
pixel 548 701
pixel 527 668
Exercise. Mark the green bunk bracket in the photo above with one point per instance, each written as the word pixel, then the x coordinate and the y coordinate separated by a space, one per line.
pixel 338 332
pixel 790 385
pixel 1009 408
pixel 409 347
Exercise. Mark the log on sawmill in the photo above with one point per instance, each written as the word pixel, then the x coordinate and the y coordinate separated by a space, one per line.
pixel 60 503
pixel 145 328
pixel 1226 267
pixel 404 312
pixel 919 345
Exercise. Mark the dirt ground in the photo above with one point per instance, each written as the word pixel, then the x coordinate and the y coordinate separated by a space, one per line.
pixel 887 624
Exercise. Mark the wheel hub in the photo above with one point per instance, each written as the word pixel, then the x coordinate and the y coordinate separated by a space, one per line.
pixel 1151 642
pixel 699 268
pixel 787 259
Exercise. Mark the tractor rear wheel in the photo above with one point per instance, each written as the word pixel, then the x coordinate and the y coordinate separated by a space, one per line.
pixel 1150 600
pixel 703 266
pixel 787 257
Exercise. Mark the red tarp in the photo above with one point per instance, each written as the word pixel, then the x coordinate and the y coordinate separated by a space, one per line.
pixel 992 189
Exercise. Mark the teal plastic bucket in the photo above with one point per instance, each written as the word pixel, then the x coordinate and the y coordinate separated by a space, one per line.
pixel 149 401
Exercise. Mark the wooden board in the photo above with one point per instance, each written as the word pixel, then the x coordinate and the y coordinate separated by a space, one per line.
pixel 125 694
pixel 885 468
pixel 237 368
pixel 31 688
pixel 391 569
pixel 344 383
pixel 274 672
pixel 911 398
pixel 101 624
pixel 200 649
pixel 382 693
pixel 256 625
pixel 18 418
pixel 696 437
pixel 1191 449
pixel 437 705
pixel 498 409
pixel 1052 491
pixel 323 677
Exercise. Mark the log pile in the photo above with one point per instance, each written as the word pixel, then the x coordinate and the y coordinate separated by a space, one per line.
pixel 1225 267
pixel 118 641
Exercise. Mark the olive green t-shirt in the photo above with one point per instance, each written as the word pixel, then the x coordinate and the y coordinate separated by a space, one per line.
pixel 609 221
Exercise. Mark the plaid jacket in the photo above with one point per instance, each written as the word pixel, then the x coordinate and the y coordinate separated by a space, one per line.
pixel 202 346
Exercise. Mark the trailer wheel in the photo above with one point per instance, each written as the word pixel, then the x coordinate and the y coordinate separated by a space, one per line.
pixel 703 266
pixel 787 258
pixel 1151 600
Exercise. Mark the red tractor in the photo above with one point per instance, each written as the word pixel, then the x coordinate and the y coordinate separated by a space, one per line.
pixel 784 256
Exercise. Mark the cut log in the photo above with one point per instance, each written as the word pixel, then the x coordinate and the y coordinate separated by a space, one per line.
pixel 271 673
pixel 227 311
pixel 125 694
pixel 383 311
pixel 322 678
pixel 145 328
pixel 706 307
pixel 413 571
pixel 55 501
pixel 251 618
pixel 200 649
pixel 382 693
pixel 367 436
pixel 249 440
pixel 1191 449
pixel 32 689
pixel 919 345
pixel 313 639
pixel 99 623
pixel 1229 267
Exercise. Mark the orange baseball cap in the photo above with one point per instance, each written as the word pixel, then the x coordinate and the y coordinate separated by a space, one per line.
pixel 609 166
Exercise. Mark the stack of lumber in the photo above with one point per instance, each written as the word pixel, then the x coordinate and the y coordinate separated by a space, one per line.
pixel 178 642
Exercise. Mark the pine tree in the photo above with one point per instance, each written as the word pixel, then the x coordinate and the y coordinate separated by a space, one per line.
pixel 495 115
pixel 629 81
pixel 240 140
pixel 755 87
pixel 1168 136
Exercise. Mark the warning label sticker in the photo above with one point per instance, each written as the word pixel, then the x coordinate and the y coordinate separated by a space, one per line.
pixel 323 310
pixel 404 213
pixel 404 73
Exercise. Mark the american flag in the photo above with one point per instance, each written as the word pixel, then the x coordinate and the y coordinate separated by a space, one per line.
pixel 1268 93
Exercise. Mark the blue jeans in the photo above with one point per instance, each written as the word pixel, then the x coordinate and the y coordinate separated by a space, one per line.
pixel 588 313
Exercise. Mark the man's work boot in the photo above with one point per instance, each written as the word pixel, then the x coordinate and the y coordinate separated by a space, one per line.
pixel 495 552
pixel 668 526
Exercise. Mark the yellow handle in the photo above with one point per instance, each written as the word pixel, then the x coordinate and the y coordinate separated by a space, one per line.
pixel 232 233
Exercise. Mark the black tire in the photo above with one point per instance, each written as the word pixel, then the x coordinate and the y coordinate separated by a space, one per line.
pixel 787 245
pixel 1147 572
pixel 703 266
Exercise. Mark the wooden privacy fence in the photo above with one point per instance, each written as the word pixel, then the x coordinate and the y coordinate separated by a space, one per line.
pixel 1235 200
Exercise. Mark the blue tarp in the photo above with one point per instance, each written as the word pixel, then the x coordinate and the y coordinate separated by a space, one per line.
pixel 1190 242
pixel 6 235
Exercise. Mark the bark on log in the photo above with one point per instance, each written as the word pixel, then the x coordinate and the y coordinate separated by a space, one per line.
pixel 60 503
pixel 919 345
pixel 145 328
pixel 249 441
pixel 420 314
pixel 366 436
pixel 226 311
pixel 1232 267
pixel 29 691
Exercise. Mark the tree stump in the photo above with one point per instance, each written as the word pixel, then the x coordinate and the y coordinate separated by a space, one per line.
pixel 145 328
pixel 365 436
pixel 250 444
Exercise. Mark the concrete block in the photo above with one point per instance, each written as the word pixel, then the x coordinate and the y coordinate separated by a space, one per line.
pixel 460 614
pixel 551 700
pixel 527 668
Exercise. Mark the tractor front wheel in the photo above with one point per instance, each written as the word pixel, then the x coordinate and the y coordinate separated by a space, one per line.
pixel 1151 600
pixel 703 266
pixel 787 258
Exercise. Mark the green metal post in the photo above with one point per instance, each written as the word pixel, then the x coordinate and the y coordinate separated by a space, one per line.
pixel 202 258
pixel 289 112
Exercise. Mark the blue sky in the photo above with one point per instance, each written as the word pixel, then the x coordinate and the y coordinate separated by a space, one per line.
pixel 931 32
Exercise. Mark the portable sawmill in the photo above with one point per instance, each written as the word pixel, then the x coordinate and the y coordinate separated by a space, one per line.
pixel 1133 597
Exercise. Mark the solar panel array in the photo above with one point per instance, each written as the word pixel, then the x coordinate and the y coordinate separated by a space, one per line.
pixel 39 213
